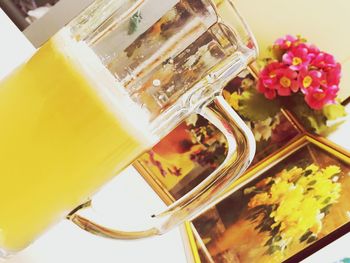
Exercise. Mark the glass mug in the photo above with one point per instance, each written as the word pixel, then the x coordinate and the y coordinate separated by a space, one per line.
pixel 102 91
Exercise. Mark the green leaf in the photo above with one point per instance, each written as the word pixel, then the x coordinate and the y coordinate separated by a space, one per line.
pixel 312 182
pixel 315 120
pixel 255 107
pixel 334 111
pixel 311 119
pixel 305 236
pixel 278 238
pixel 307 173
pixel 318 123
pixel 326 201
pixel 332 128
pixel 269 242
pixel 273 249
pixel 134 22
pixel 326 209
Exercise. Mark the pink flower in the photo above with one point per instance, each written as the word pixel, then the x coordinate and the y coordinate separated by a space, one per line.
pixel 332 76
pixel 323 61
pixel 286 42
pixel 298 58
pixel 317 98
pixel 309 79
pixel 320 87
pixel 313 51
pixel 277 78
pixel 268 79
pixel 287 81
pixel 300 66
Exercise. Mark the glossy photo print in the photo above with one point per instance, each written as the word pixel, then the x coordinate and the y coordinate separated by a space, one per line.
pixel 195 148
pixel 288 206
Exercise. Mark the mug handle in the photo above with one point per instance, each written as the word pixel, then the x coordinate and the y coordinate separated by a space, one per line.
pixel 241 150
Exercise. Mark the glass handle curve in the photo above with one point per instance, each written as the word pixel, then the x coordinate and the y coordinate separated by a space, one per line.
pixel 241 150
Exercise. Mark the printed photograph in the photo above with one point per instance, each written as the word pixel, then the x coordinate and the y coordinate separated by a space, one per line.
pixel 195 148
pixel 292 205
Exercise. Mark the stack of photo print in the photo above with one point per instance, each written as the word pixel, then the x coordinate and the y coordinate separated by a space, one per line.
pixel 292 201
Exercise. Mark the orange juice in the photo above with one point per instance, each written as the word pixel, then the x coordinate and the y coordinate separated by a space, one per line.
pixel 66 129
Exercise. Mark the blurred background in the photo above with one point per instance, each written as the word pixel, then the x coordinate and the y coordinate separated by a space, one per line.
pixel 24 12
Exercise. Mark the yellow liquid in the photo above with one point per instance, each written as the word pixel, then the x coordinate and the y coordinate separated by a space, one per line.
pixel 62 136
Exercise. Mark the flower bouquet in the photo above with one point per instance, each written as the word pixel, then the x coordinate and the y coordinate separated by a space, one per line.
pixel 300 77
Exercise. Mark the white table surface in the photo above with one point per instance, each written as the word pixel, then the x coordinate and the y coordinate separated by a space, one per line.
pixel 67 243
pixel 333 252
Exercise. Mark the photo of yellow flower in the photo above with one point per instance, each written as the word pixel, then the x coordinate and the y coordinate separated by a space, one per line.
pixel 285 209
